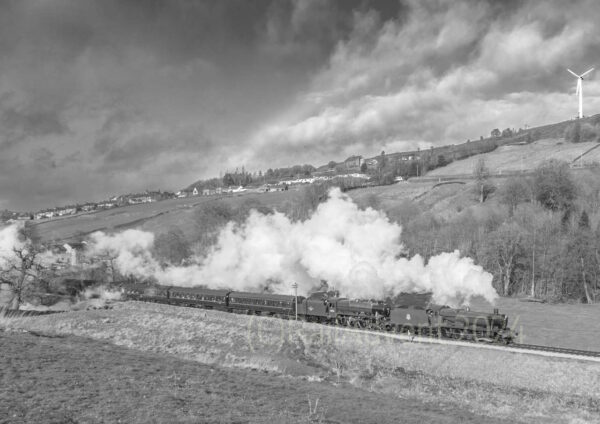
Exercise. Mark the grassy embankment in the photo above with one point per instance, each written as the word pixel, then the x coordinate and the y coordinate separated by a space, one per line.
pixel 500 385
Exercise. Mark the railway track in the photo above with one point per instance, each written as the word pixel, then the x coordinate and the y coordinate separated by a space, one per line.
pixel 561 350
pixel 556 352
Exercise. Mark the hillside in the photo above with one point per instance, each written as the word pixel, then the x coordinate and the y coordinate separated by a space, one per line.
pixel 157 217
pixel 519 157
pixel 513 155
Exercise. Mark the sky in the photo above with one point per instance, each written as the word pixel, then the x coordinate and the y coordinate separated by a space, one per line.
pixel 105 97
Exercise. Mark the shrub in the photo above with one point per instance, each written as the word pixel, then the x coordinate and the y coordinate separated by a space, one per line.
pixel 553 186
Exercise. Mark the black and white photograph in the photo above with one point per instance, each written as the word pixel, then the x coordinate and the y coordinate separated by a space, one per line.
pixel 300 211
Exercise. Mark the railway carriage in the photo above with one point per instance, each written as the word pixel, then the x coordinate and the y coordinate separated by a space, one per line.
pixel 259 303
pixel 145 292
pixel 196 296
pixel 134 291
pixel 156 293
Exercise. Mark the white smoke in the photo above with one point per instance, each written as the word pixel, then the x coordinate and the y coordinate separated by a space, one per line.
pixel 130 250
pixel 12 239
pixel 356 251
pixel 9 240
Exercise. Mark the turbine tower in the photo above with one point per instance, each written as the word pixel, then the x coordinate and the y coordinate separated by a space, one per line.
pixel 580 88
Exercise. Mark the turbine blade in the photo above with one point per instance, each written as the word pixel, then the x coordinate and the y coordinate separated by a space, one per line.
pixel 587 72
pixel 574 74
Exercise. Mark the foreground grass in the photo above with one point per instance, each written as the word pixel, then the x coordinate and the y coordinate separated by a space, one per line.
pixel 501 385
pixel 77 380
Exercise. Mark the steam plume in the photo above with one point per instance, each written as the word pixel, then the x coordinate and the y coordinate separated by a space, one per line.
pixel 356 251
pixel 9 240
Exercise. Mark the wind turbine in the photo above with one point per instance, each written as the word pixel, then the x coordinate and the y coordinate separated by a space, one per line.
pixel 580 88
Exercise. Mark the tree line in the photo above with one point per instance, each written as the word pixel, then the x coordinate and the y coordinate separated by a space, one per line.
pixel 538 235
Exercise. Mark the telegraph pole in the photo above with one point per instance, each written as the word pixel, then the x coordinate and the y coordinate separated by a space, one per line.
pixel 295 287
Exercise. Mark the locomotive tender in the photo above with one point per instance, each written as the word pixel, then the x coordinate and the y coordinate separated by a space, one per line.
pixel 408 313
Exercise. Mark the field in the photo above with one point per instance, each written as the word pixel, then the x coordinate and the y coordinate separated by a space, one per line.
pixel 357 377
pixel 560 325
pixel 521 157
pixel 101 382
pixel 156 217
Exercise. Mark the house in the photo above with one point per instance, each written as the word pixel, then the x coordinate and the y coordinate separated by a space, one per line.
pixel 70 210
pixel 219 190
pixel 107 205
pixel 353 162
pixel 206 192
pixel 44 214
pixel 195 191
pixel 89 207
pixel 139 198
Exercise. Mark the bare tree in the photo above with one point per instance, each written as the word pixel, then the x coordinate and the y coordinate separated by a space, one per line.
pixel 21 272
pixel 482 174
pixel 504 251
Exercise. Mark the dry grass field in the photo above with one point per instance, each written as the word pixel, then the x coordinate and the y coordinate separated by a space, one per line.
pixel 80 380
pixel 469 384
pixel 156 217
pixel 521 157
pixel 562 325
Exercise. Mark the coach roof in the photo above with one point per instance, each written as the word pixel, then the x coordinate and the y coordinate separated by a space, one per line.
pixel 200 290
pixel 262 296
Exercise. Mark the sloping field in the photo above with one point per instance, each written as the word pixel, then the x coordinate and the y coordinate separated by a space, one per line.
pixel 167 212
pixel 521 157
pixel 391 194
pixel 501 385
pixel 560 325
pixel 160 216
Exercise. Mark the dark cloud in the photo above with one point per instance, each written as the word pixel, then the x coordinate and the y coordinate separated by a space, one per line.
pixel 21 123
pixel 103 97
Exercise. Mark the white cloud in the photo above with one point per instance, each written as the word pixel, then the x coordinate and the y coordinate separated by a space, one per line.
pixel 447 72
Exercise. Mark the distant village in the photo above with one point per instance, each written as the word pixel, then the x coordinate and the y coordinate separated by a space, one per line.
pixel 255 183
pixel 113 202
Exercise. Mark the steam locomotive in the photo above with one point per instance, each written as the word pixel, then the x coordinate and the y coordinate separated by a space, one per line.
pixel 407 313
